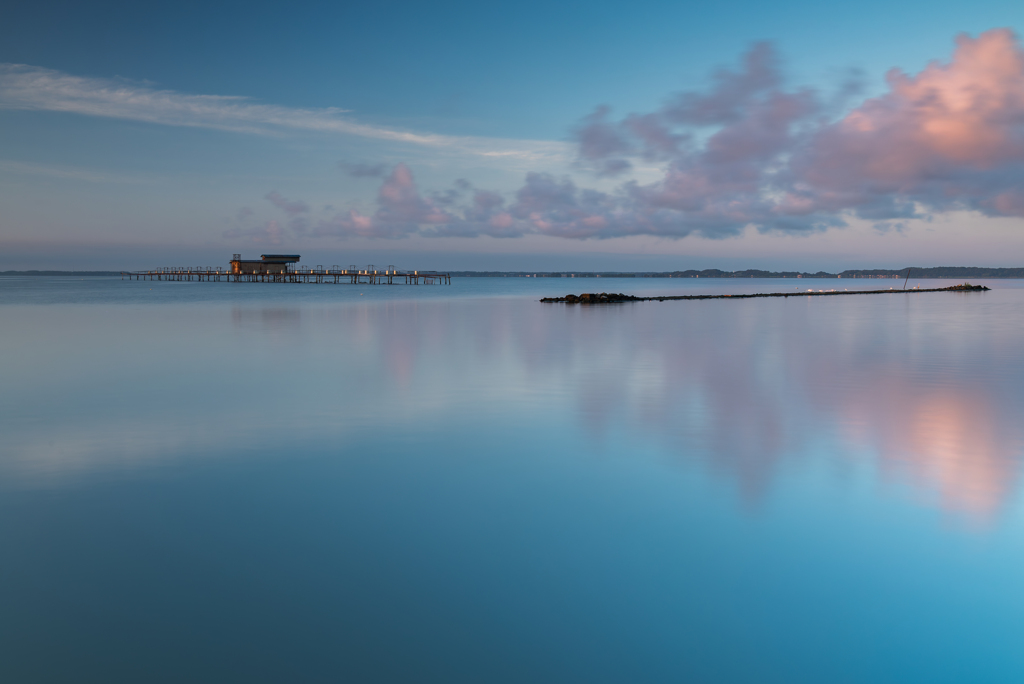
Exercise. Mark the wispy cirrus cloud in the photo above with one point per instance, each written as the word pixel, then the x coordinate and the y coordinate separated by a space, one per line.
pixel 36 88
pixel 73 173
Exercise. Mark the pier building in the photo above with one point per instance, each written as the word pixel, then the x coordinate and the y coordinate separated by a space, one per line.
pixel 267 263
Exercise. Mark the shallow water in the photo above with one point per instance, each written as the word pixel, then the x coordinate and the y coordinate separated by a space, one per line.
pixel 411 483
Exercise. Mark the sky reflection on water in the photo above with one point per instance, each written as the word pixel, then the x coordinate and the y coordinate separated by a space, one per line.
pixel 631 441
pixel 926 386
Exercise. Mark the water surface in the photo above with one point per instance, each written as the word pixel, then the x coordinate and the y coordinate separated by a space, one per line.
pixel 341 483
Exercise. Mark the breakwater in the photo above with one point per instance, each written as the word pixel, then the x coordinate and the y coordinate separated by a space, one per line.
pixel 614 298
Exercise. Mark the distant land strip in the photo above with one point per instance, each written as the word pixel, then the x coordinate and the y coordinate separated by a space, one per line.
pixel 614 298
pixel 915 273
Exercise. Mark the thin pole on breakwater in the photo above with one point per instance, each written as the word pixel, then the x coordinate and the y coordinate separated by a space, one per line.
pixel 907 280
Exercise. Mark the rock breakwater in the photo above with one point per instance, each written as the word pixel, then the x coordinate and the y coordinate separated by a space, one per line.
pixel 615 298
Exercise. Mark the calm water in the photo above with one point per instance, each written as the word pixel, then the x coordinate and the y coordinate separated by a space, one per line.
pixel 210 482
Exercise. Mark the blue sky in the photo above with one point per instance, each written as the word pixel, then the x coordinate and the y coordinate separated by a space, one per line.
pixel 454 135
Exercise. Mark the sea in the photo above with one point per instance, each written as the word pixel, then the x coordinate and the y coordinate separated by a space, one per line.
pixel 259 482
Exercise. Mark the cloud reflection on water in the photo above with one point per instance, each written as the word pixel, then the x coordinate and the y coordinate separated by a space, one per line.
pixel 748 388
pixel 750 385
pixel 953 441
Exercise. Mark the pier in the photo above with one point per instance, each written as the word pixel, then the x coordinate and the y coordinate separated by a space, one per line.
pixel 283 268
pixel 309 275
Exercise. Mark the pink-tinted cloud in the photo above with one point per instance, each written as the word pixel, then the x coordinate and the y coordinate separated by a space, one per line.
pixel 401 211
pixel 750 152
pixel 950 137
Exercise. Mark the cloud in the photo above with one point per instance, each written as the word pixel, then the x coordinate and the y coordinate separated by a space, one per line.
pixel 725 151
pixel 748 151
pixel 733 93
pixel 951 137
pixel 600 141
pixel 271 232
pixel 36 88
pixel 715 188
pixel 75 173
pixel 284 204
pixel 298 223
pixel 401 211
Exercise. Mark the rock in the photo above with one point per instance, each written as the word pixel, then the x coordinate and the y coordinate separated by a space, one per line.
pixel 594 298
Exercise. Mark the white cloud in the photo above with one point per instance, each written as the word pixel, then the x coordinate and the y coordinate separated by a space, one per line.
pixel 35 88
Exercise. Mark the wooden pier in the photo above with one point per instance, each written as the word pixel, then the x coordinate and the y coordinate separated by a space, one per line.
pixel 333 275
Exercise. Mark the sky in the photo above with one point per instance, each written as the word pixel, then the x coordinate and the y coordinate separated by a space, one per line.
pixel 512 136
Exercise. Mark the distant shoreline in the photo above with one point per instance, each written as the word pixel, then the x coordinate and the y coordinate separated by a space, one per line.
pixel 938 272
pixel 953 272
